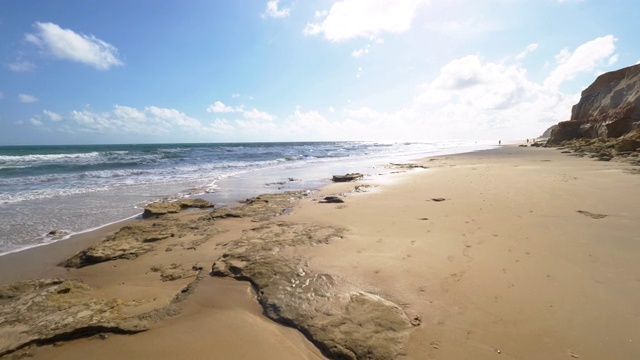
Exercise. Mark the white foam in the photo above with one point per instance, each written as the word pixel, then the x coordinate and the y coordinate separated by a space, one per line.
pixel 66 237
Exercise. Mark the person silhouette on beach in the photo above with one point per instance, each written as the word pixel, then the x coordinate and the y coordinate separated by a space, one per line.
pixel 499 142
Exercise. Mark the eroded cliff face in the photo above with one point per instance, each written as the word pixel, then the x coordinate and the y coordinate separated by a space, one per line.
pixel 608 108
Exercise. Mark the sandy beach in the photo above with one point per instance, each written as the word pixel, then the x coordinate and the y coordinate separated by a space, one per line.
pixel 516 253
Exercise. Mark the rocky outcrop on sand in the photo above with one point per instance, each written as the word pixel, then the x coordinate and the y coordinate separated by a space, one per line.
pixel 129 242
pixel 50 310
pixel 260 208
pixel 139 238
pixel 347 177
pixel 608 108
pixel 625 148
pixel 142 237
pixel 344 321
pixel 163 207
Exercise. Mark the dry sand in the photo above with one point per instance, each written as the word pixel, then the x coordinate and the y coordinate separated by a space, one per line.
pixel 516 262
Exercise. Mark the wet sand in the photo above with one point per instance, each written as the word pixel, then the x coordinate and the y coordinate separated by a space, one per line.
pixel 518 253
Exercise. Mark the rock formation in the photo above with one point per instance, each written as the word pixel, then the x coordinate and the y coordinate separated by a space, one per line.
pixel 162 207
pixel 260 208
pixel 344 321
pixel 129 242
pixel 142 237
pixel 347 177
pixel 50 310
pixel 608 108
pixel 547 133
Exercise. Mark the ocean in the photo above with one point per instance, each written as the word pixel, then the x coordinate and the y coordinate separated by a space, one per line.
pixel 48 193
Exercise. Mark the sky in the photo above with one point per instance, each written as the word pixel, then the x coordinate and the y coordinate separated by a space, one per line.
pixel 148 71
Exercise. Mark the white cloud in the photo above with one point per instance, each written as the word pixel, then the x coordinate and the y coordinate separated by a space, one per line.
pixel 485 85
pixel 21 66
pixel 35 121
pixel 52 115
pixel 612 60
pixel 585 58
pixel 26 98
pixel 165 123
pixel 313 126
pixel 221 126
pixel 275 12
pixel 321 14
pixel 220 107
pixel 173 117
pixel 528 50
pixel 126 112
pixel 473 98
pixel 362 51
pixel 363 18
pixel 125 120
pixel 253 114
pixel 235 96
pixel 69 45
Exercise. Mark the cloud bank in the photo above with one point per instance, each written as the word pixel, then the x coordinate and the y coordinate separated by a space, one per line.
pixel 470 98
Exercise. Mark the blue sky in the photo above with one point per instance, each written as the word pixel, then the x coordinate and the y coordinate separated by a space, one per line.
pixel 84 72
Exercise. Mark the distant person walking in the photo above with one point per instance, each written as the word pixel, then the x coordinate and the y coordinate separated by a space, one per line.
pixel 499 142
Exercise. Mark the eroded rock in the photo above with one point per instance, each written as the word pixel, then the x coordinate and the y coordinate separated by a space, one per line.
pixel 608 108
pixel 139 238
pixel 129 242
pixel 260 208
pixel 331 200
pixel 50 310
pixel 163 208
pixel 344 321
pixel 347 177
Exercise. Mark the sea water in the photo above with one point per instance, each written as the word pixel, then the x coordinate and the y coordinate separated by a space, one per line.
pixel 50 192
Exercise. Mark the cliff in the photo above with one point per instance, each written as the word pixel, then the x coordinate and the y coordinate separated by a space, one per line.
pixel 608 108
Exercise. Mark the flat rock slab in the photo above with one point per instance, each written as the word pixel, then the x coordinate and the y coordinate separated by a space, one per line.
pixel 139 238
pixel 408 166
pixel 163 208
pixel 260 208
pixel 332 200
pixel 347 177
pixel 341 319
pixel 51 310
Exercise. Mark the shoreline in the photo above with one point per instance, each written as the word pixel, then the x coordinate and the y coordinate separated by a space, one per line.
pixel 233 190
pixel 504 251
pixel 27 223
